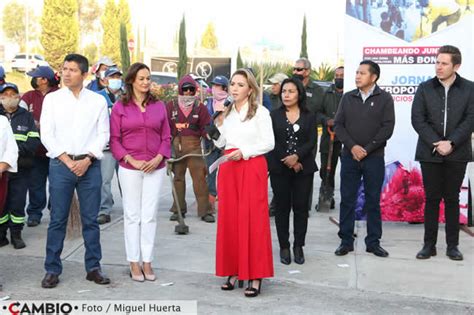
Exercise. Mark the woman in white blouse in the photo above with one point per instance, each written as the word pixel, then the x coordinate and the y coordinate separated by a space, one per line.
pixel 8 163
pixel 243 245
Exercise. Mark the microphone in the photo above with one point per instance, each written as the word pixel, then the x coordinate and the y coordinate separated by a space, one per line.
pixel 228 101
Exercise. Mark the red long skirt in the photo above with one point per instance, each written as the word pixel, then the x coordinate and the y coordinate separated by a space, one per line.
pixel 244 245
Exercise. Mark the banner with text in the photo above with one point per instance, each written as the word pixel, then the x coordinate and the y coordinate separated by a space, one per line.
pixel 403 37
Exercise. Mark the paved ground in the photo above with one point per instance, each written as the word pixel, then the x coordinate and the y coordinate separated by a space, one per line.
pixel 356 283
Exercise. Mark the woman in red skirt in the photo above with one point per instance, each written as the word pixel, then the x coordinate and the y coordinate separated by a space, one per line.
pixel 244 246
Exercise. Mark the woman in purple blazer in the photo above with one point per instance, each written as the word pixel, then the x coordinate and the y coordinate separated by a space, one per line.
pixel 140 140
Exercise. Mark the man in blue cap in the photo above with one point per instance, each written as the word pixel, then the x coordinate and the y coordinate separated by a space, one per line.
pixel 12 216
pixel 43 82
pixel 108 165
pixel 215 103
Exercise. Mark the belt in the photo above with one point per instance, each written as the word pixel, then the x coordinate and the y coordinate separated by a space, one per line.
pixel 77 157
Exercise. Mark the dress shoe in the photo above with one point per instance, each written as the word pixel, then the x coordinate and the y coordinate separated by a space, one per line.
pixel 98 277
pixel 454 253
pixel 209 218
pixel 426 252
pixel 50 281
pixel 32 222
pixel 285 256
pixel 103 218
pixel 299 255
pixel 377 251
pixel 343 250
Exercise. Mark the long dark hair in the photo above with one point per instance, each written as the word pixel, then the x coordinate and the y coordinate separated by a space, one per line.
pixel 128 84
pixel 301 93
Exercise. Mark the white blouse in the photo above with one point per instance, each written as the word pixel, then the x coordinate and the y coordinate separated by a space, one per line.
pixel 8 147
pixel 253 137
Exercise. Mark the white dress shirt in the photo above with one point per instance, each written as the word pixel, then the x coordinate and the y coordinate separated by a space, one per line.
pixel 253 137
pixel 74 125
pixel 8 147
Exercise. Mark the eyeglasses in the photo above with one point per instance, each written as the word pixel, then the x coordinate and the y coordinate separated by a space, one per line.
pixel 189 89
pixel 298 69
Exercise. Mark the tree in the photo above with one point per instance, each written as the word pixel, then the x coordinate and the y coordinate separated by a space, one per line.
pixel 240 63
pixel 123 15
pixel 14 22
pixel 209 38
pixel 111 36
pixel 183 57
pixel 124 53
pixel 60 30
pixel 304 49
pixel 90 51
pixel 89 11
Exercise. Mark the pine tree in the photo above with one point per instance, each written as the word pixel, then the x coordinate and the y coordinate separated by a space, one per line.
pixel 240 63
pixel 60 30
pixel 304 49
pixel 209 38
pixel 111 32
pixel 123 15
pixel 183 57
pixel 124 53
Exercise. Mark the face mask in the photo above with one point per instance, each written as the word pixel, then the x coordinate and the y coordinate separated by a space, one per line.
pixel 115 84
pixel 219 94
pixel 339 83
pixel 33 83
pixel 101 75
pixel 10 103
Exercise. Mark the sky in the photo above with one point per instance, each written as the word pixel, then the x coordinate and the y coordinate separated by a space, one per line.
pixel 256 24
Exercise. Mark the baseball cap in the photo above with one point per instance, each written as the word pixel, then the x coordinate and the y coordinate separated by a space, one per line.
pixel 278 78
pixel 2 72
pixel 220 80
pixel 8 85
pixel 111 71
pixel 42 72
pixel 104 61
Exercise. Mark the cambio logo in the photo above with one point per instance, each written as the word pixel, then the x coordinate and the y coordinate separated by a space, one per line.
pixel 17 308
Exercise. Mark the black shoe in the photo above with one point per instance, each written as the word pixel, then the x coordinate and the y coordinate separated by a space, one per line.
pixel 209 218
pixel 251 291
pixel 3 239
pixel 454 253
pixel 33 222
pixel 426 252
pixel 285 256
pixel 299 255
pixel 377 251
pixel 17 242
pixel 229 286
pixel 333 204
pixel 50 281
pixel 343 250
pixel 98 277
pixel 103 218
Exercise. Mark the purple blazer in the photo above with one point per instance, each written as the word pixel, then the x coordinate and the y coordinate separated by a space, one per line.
pixel 142 135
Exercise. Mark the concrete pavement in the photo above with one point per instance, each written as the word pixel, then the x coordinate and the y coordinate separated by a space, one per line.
pixel 356 283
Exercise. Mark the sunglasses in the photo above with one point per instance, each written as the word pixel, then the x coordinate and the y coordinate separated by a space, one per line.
pixel 189 89
pixel 298 69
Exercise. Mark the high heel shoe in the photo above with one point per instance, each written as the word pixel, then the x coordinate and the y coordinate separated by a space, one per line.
pixel 149 276
pixel 138 278
pixel 251 291
pixel 229 286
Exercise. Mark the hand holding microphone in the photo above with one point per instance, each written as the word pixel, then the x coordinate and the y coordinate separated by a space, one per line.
pixel 217 117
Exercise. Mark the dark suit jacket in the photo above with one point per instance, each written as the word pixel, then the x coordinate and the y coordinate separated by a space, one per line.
pixel 307 140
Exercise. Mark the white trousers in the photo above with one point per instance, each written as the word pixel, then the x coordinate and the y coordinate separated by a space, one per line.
pixel 140 200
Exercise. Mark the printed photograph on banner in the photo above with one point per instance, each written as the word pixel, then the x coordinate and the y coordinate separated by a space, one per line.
pixel 409 20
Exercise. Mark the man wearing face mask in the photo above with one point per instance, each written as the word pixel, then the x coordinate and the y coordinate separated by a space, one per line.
pixel 108 165
pixel 326 116
pixel 215 103
pixel 99 71
pixel 27 139
pixel 43 82
pixel 187 118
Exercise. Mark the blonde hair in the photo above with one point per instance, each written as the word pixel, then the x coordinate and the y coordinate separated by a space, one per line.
pixel 252 98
